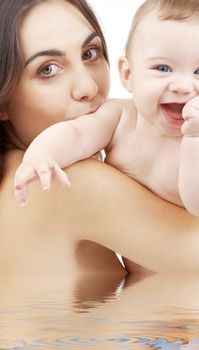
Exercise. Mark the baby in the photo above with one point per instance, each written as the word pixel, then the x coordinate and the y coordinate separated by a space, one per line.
pixel 154 137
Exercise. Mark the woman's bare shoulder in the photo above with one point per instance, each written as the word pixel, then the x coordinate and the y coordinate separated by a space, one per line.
pixel 39 205
pixel 105 206
pixel 60 206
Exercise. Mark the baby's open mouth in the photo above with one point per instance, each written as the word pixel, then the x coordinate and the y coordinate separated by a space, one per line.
pixel 174 110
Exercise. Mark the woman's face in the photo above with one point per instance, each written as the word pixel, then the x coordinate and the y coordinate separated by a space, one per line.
pixel 65 73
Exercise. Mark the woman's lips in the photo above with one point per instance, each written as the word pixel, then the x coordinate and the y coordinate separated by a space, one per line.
pixel 173 113
pixel 92 110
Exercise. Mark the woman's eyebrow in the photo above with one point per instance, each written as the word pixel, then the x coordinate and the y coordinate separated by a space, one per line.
pixel 55 52
pixel 89 39
pixel 52 52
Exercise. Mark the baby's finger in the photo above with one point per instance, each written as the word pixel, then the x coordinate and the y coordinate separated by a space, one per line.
pixel 21 196
pixel 23 176
pixel 190 112
pixel 61 176
pixel 45 173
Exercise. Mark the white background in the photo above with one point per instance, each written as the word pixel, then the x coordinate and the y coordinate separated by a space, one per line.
pixel 115 17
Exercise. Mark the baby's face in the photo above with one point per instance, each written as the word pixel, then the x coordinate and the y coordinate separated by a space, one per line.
pixel 164 62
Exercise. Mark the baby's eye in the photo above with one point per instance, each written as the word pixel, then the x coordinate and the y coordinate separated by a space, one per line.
pixel 49 70
pixel 92 54
pixel 196 71
pixel 163 68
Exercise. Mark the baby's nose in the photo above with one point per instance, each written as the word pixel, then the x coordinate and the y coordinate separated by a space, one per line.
pixel 181 87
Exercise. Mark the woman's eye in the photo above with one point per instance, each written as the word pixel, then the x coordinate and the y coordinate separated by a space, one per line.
pixel 92 54
pixel 163 69
pixel 49 70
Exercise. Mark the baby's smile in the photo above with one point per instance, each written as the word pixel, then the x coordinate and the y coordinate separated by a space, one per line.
pixel 174 109
pixel 173 112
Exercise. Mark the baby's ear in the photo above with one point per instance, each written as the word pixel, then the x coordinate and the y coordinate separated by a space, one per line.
pixel 125 73
pixel 3 116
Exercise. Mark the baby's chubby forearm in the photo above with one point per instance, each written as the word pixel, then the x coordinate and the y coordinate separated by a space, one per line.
pixel 189 158
pixel 60 142
pixel 189 174
pixel 69 141
pixel 43 159
pixel 63 144
pixel 54 149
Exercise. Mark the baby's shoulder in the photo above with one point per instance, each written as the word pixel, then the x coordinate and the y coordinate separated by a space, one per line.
pixel 120 102
pixel 125 107
pixel 129 106
pixel 129 112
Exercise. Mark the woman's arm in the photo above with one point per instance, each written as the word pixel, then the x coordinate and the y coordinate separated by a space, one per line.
pixel 122 215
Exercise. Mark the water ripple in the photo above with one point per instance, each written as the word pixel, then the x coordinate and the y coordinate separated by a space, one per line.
pixel 137 342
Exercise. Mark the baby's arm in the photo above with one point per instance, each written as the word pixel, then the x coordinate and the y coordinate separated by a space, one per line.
pixel 189 158
pixel 65 143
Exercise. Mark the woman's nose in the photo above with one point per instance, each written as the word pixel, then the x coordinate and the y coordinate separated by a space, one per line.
pixel 181 87
pixel 84 85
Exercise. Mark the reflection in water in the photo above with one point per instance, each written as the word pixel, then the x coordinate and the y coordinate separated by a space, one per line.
pixel 101 312
pixel 92 290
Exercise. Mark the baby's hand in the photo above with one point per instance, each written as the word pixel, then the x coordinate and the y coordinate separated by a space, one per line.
pixel 190 113
pixel 44 170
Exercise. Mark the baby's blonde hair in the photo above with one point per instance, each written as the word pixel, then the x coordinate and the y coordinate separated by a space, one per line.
pixel 176 10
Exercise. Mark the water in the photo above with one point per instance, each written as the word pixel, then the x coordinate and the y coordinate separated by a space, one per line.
pixel 100 312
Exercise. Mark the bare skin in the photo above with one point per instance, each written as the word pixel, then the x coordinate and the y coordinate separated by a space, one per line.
pixel 52 235
pixel 126 218
pixel 41 244
pixel 152 137
pixel 64 98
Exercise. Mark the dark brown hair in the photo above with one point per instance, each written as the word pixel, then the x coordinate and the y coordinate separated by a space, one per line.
pixel 12 13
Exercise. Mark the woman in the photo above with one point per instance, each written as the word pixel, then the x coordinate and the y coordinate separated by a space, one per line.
pixel 54 66
pixel 65 74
